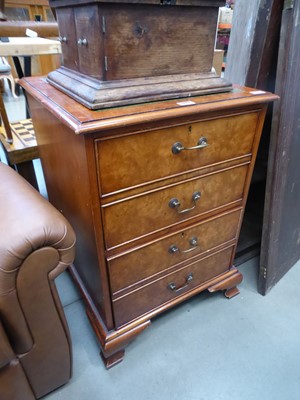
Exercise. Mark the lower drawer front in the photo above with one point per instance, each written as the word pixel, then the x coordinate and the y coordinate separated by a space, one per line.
pixel 139 216
pixel 150 260
pixel 160 292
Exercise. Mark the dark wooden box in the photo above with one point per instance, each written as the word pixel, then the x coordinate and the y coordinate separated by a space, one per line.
pixel 121 52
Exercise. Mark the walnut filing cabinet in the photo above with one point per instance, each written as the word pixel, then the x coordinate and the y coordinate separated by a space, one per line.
pixel 155 193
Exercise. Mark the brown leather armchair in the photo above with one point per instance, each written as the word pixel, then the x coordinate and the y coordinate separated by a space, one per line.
pixel 36 245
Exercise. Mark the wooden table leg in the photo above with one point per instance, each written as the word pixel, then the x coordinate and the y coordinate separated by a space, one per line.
pixel 21 74
pixel 26 169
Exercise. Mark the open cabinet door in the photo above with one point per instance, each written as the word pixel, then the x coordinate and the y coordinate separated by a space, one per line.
pixel 280 247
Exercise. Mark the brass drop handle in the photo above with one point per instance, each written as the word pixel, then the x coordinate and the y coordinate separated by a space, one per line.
pixel 178 147
pixel 82 42
pixel 175 249
pixel 175 203
pixel 62 39
pixel 176 289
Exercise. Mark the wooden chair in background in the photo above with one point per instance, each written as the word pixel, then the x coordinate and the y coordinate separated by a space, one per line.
pixel 5 73
pixel 19 144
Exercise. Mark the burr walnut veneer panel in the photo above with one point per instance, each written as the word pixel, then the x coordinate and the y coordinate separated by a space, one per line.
pixel 227 138
pixel 128 270
pixel 153 212
pixel 136 303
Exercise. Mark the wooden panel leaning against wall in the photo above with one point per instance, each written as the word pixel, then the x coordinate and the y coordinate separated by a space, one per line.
pixel 278 230
pixel 282 222
pixel 252 62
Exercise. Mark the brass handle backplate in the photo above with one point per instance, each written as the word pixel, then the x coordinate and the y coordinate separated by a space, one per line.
pixel 175 203
pixel 175 249
pixel 178 147
pixel 172 286
pixel 167 2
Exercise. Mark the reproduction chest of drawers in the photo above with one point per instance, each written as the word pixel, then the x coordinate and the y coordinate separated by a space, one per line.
pixel 155 193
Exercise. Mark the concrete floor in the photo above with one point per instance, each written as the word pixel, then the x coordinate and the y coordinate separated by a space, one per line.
pixel 208 348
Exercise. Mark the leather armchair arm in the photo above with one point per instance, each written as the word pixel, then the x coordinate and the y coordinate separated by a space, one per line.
pixel 6 353
pixel 13 382
pixel 37 244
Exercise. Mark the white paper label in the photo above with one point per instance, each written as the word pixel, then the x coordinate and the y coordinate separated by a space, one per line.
pixel 258 92
pixel 186 103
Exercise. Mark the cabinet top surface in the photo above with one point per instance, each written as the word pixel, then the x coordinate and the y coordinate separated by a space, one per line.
pixel 83 120
pixel 209 3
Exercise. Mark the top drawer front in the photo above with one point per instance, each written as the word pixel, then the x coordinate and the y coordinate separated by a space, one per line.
pixel 137 159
